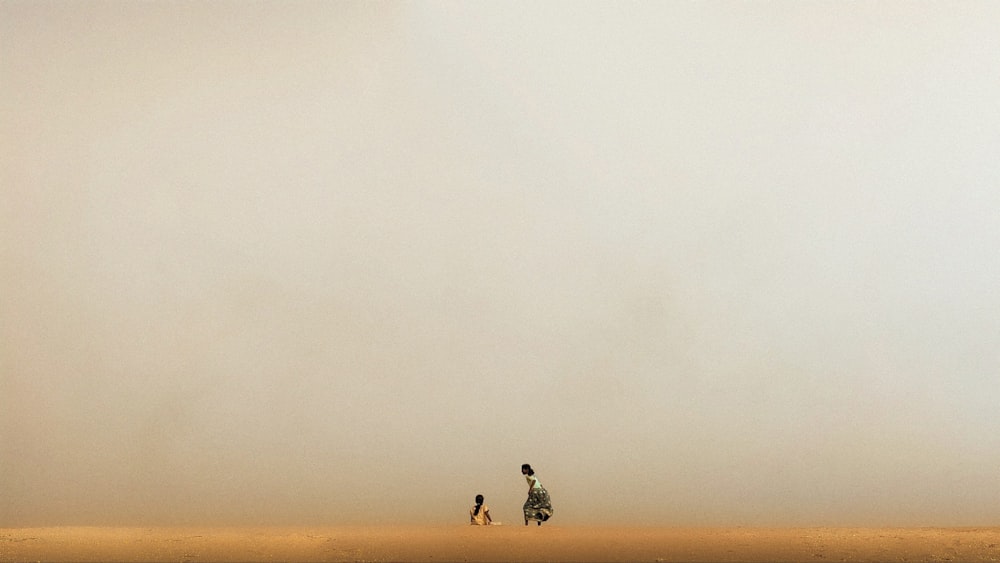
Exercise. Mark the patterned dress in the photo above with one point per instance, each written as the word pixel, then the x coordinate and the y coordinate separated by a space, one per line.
pixel 538 506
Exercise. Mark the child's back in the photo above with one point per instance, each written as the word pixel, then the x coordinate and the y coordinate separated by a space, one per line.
pixel 479 515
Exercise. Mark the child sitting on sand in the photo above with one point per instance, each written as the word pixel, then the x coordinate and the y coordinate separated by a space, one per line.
pixel 479 515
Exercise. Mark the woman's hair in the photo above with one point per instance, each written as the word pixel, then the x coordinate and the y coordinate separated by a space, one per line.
pixel 527 467
pixel 479 504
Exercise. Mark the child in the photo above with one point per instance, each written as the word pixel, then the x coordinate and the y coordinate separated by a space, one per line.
pixel 538 506
pixel 479 515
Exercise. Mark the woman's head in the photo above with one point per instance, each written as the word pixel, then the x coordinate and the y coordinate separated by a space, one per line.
pixel 527 470
pixel 479 499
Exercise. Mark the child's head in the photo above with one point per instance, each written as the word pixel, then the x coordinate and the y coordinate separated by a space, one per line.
pixel 479 499
pixel 527 470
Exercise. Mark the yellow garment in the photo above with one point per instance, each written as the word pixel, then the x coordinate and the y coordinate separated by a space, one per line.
pixel 481 519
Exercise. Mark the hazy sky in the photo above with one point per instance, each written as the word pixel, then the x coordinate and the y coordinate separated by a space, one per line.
pixel 696 262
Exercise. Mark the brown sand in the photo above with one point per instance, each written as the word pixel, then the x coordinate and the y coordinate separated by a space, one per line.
pixel 497 543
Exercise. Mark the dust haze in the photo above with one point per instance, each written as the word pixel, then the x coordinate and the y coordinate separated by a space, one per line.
pixel 716 263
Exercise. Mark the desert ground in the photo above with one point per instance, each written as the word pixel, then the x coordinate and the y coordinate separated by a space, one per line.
pixel 496 543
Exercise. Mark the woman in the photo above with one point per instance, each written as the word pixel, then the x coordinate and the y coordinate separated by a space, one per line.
pixel 479 515
pixel 538 506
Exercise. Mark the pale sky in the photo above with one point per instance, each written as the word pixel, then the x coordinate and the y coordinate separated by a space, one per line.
pixel 699 263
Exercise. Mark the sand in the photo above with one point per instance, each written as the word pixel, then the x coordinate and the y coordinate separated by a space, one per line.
pixel 549 542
